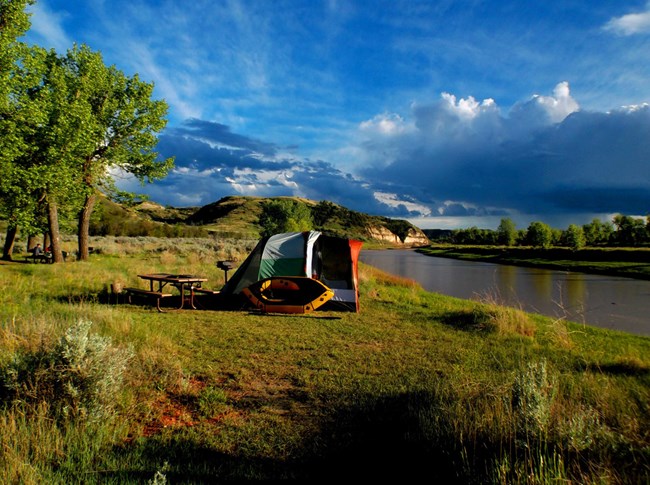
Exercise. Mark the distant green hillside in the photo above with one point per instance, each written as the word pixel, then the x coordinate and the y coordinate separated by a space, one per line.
pixel 143 219
pixel 238 216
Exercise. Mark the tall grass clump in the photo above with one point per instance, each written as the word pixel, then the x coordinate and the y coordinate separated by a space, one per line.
pixel 493 315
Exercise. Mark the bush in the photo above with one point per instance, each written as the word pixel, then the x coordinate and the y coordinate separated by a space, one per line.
pixel 533 392
pixel 80 377
pixel 280 216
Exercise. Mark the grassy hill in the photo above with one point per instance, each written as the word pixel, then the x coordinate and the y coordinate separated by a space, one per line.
pixel 238 216
pixel 144 219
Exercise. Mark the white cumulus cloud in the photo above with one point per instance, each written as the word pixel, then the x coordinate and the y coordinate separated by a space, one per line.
pixel 384 124
pixel 395 200
pixel 630 24
pixel 467 108
pixel 560 105
pixel 465 158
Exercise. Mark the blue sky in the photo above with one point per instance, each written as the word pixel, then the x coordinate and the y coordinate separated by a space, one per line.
pixel 447 113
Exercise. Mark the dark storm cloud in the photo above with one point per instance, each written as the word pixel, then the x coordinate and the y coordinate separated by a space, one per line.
pixel 212 162
pixel 217 133
pixel 546 157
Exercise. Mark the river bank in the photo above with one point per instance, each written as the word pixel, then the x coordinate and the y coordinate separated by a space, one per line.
pixel 604 301
pixel 625 262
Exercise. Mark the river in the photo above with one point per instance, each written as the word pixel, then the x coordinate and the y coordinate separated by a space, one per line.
pixel 602 301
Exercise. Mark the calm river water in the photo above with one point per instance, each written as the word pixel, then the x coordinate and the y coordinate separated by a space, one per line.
pixel 603 301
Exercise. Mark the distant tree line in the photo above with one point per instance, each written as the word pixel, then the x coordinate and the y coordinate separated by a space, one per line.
pixel 623 230
pixel 68 123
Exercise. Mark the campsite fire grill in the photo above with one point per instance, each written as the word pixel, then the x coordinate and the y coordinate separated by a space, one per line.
pixel 225 266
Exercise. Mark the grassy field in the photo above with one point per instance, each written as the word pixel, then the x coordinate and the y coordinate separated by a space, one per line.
pixel 627 262
pixel 93 390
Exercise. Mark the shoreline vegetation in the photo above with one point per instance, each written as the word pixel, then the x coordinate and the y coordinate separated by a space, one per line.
pixel 624 262
pixel 94 390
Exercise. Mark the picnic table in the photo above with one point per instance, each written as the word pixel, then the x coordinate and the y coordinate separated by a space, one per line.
pixel 40 257
pixel 184 283
pixel 44 257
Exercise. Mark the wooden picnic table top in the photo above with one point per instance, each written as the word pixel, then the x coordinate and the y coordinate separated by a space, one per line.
pixel 173 278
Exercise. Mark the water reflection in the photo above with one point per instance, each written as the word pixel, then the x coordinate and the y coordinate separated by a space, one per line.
pixel 609 302
pixel 576 291
pixel 543 285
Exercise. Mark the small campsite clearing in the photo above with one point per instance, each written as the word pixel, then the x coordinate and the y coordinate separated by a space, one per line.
pixel 415 384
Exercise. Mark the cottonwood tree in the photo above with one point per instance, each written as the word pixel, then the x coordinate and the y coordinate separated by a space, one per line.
pixel 121 122
pixel 64 123
pixel 14 22
pixel 597 232
pixel 507 232
pixel 574 237
pixel 79 120
pixel 53 136
pixel 38 129
pixel 285 215
pixel 630 231
pixel 539 235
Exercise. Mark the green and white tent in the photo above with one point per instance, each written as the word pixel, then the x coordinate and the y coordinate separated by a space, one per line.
pixel 331 260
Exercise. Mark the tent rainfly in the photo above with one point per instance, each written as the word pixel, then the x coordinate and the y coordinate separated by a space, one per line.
pixel 331 260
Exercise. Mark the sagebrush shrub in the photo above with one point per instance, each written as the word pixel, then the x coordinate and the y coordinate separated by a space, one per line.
pixel 533 392
pixel 79 377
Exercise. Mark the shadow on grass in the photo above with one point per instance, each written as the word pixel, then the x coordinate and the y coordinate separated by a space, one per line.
pixel 403 438
pixel 103 296
pixel 295 315
pixel 463 320
pixel 632 369
pixel 201 302
pixel 392 438
pixel 183 460
pixel 378 439
pixel 106 297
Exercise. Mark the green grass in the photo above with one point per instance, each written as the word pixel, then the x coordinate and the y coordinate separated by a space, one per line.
pixel 627 262
pixel 415 385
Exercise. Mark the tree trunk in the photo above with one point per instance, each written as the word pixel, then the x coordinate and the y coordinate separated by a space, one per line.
pixel 84 226
pixel 55 238
pixel 8 249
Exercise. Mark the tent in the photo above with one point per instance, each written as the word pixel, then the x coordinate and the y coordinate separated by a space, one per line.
pixel 328 259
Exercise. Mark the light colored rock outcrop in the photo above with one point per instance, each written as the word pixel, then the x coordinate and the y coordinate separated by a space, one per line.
pixel 414 238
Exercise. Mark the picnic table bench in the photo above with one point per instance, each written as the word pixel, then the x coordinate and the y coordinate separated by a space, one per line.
pixel 158 295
